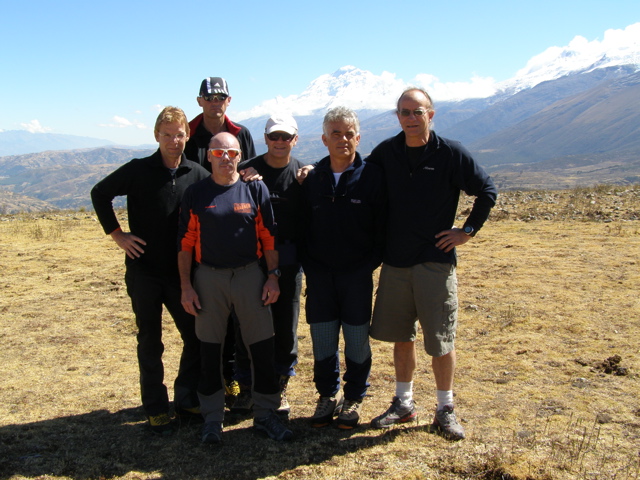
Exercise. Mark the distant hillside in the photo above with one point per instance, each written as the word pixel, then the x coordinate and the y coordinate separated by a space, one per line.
pixel 582 129
pixel 603 119
pixel 61 179
pixel 11 202
pixel 622 168
pixel 504 113
pixel 17 164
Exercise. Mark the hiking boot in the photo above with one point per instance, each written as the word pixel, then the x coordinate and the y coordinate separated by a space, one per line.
pixel 284 408
pixel 212 433
pixel 446 424
pixel 161 424
pixel 349 416
pixel 244 402
pixel 326 409
pixel 189 414
pixel 273 427
pixel 396 413
pixel 231 392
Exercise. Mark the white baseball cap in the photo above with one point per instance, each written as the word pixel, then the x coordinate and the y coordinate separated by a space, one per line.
pixel 281 123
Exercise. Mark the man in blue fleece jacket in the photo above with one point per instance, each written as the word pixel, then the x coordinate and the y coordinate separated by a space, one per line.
pixel 344 205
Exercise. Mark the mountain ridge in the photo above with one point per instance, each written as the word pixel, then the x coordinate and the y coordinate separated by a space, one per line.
pixel 579 123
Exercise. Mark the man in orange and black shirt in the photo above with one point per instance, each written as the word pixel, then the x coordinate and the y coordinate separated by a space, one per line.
pixel 227 226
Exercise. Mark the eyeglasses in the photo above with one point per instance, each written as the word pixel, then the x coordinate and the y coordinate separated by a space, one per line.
pixel 169 137
pixel 418 112
pixel 218 97
pixel 284 136
pixel 219 152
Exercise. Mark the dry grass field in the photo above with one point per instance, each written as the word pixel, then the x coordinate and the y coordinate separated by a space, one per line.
pixel 547 386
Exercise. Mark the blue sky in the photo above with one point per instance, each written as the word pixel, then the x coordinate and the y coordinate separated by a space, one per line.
pixel 102 69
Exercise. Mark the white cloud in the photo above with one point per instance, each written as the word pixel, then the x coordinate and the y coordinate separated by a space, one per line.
pixel 478 87
pixel 158 108
pixel 34 127
pixel 121 122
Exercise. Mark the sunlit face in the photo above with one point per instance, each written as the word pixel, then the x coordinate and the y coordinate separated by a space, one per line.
pixel 172 138
pixel 279 148
pixel 214 108
pixel 341 139
pixel 415 126
pixel 224 167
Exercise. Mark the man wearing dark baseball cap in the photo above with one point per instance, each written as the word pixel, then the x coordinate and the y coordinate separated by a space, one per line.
pixel 214 99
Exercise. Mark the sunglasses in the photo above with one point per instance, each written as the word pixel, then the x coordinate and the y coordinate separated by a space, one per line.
pixel 419 112
pixel 219 152
pixel 219 97
pixel 275 136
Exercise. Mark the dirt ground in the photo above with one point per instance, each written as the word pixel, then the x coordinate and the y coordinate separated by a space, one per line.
pixel 546 387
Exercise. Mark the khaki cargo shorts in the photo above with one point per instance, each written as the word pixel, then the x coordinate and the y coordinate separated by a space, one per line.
pixel 425 293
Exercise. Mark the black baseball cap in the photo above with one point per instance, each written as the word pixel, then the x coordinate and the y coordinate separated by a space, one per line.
pixel 214 85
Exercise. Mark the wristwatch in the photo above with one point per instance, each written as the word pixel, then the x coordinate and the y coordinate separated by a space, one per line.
pixel 469 230
pixel 275 271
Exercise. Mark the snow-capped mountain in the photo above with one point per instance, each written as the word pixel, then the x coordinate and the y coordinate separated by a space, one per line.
pixel 363 90
pixel 482 110
pixel 618 47
pixel 350 86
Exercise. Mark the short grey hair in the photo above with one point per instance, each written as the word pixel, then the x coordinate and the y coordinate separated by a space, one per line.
pixel 341 114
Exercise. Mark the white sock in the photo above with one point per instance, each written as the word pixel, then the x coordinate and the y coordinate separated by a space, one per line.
pixel 404 391
pixel 445 397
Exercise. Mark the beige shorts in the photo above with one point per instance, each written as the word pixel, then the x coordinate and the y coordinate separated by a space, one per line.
pixel 425 293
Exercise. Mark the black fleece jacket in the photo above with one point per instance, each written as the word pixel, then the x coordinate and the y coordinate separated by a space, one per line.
pixel 345 222
pixel 153 195
pixel 423 202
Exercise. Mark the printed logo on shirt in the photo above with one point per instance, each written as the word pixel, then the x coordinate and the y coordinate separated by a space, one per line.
pixel 242 207
pixel 356 200
pixel 429 168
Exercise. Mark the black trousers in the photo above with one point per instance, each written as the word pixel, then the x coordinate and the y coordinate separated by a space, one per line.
pixel 149 292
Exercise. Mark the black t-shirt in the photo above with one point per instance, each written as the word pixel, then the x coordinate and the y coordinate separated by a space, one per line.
pixel 285 194
pixel 414 155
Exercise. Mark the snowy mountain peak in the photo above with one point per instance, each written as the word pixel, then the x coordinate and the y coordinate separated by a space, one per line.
pixel 348 86
pixel 362 90
pixel 618 47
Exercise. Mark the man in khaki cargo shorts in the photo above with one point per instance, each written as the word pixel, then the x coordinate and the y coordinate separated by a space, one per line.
pixel 425 174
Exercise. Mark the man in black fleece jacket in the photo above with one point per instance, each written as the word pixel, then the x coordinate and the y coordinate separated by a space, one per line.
pixel 154 187
pixel 344 207
pixel 425 174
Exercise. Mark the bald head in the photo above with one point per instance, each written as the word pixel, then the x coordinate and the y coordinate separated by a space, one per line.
pixel 224 140
pixel 417 94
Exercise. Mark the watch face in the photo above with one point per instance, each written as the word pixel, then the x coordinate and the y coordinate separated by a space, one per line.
pixel 468 230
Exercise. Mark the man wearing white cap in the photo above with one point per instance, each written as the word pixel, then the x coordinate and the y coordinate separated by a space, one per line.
pixel 278 170
pixel 214 99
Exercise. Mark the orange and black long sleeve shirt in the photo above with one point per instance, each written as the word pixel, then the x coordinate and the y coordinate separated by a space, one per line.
pixel 226 226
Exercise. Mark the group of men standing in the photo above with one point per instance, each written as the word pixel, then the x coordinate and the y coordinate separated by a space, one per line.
pixel 222 244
